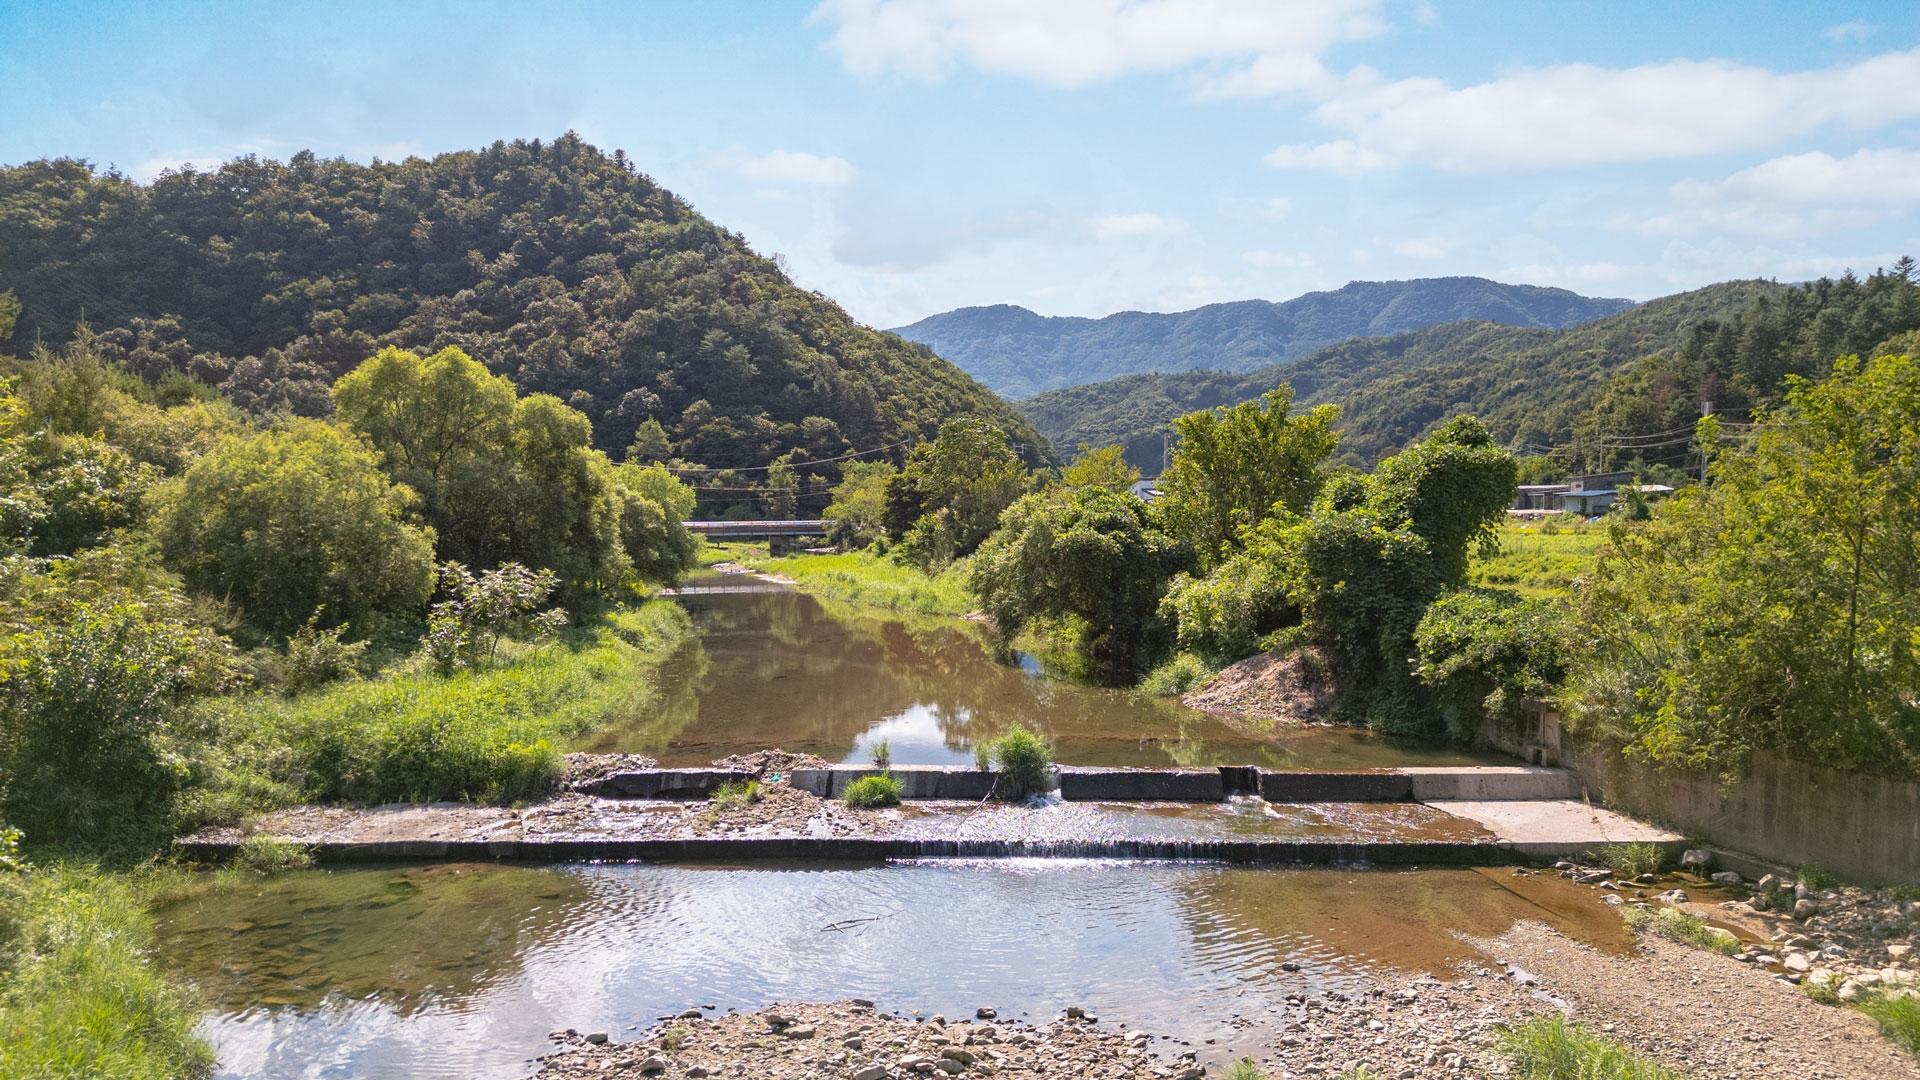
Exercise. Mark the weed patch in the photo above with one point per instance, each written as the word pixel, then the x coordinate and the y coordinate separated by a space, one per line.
pixel 1898 1017
pixel 1628 860
pixel 1024 759
pixel 735 794
pixel 1676 925
pixel 880 789
pixel 1177 676
pixel 263 855
pixel 1550 1048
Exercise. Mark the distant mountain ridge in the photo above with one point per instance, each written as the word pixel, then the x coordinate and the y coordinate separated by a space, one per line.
pixel 1018 353
pixel 1530 384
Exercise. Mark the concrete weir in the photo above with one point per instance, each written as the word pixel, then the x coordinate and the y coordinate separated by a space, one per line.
pixel 1486 783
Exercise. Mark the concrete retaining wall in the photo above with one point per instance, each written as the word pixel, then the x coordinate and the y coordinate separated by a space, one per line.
pixel 1383 786
pixel 916 781
pixel 1142 785
pixel 1861 827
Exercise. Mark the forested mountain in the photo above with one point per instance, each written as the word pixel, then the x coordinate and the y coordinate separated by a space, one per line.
pixel 1019 353
pixel 555 264
pixel 1531 386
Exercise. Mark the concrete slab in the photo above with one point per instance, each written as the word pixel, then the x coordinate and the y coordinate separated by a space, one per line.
pixel 668 783
pixel 1297 787
pixel 916 781
pixel 1490 783
pixel 1558 828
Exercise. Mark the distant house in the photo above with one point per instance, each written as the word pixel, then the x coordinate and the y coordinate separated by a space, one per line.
pixel 1587 495
pixel 1146 490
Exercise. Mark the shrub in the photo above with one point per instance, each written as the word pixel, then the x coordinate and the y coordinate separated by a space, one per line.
pixel 1550 1048
pixel 735 794
pixel 1481 651
pixel 466 628
pixel 1178 675
pixel 1628 860
pixel 316 657
pixel 1226 613
pixel 262 854
pixel 1898 1017
pixel 1676 925
pixel 94 689
pixel 879 789
pixel 1024 760
pixel 882 754
pixel 296 520
pixel 78 994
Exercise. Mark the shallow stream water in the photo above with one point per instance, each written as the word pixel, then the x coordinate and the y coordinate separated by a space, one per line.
pixel 776 667
pixel 463 970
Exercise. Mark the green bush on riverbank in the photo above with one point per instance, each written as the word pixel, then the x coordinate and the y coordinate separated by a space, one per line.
pixel 1550 1048
pixel 492 733
pixel 78 995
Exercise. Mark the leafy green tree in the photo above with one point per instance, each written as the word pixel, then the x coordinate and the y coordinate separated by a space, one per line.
pixel 428 416
pixel 1106 467
pixel 1238 466
pixel 1090 555
pixel 856 518
pixel 957 485
pixel 783 489
pixel 481 610
pixel 1773 607
pixel 293 521
pixel 650 444
pixel 1375 552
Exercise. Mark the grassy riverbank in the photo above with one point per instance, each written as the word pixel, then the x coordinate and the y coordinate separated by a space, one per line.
pixel 493 733
pixel 79 996
pixel 869 580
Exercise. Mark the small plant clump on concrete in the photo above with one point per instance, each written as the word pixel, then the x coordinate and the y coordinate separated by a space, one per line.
pixel 1550 1048
pixel 880 789
pixel 882 754
pixel 1024 760
pixel 735 794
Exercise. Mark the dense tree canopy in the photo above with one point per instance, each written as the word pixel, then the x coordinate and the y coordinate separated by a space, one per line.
pixel 950 494
pixel 1239 466
pixel 1776 606
pixel 557 265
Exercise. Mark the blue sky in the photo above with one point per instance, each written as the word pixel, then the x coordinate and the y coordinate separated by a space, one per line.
pixel 1078 156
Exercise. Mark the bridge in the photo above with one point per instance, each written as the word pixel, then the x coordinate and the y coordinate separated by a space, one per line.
pixel 754 530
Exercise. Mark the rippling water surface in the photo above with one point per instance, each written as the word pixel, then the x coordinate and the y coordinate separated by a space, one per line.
pixel 462 970
pixel 777 667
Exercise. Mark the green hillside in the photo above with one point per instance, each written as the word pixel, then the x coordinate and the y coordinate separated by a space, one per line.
pixel 1530 385
pixel 553 263
pixel 1019 353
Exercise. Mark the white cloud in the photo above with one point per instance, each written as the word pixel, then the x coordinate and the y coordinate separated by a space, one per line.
pixel 1423 247
pixel 1583 114
pixel 1865 176
pixel 1589 273
pixel 1797 195
pixel 1278 207
pixel 1198 289
pixel 792 167
pixel 1341 155
pixel 1071 43
pixel 1121 226
pixel 1278 260
pixel 1849 31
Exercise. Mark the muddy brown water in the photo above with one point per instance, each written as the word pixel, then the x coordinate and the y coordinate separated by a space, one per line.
pixel 775 667
pixel 462 970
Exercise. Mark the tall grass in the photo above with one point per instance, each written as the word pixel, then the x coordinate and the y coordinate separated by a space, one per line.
pixel 1550 1048
pixel 1540 559
pixel 1898 1017
pixel 78 994
pixel 1628 860
pixel 869 580
pixel 490 734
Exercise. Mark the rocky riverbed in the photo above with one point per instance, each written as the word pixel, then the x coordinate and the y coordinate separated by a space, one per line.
pixel 1711 1017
